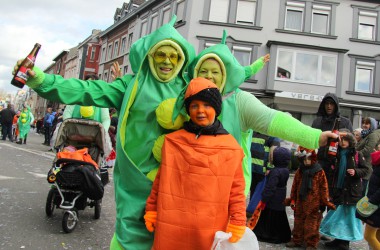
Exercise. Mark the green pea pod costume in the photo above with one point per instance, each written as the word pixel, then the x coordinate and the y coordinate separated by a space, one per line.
pixel 26 117
pixel 242 112
pixel 136 97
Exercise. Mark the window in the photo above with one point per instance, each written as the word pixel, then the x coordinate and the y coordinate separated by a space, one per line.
pixel 307 66
pixel 116 49
pixel 93 50
pixel 219 11
pixel 246 12
pixel 294 16
pixel 144 26
pixel 130 37
pixel 103 54
pixel 242 54
pixel 180 10
pixel 166 15
pixel 109 52
pixel 321 19
pixel 364 77
pixel 123 45
pixel 125 69
pixel 367 25
pixel 105 77
pixel 154 22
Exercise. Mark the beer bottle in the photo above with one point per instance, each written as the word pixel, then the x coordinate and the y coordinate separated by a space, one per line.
pixel 21 76
pixel 333 143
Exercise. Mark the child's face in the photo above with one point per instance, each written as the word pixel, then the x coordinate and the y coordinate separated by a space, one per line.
pixel 201 113
pixel 307 161
pixel 344 143
pixel 366 126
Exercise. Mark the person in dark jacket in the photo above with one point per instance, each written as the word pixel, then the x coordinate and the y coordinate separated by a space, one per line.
pixel 371 232
pixel 48 123
pixel 273 225
pixel 328 111
pixel 342 224
pixel 6 122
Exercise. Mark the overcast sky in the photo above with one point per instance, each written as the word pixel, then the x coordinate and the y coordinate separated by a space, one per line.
pixel 56 24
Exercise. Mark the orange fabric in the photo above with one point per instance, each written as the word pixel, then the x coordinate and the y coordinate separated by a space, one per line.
pixel 80 154
pixel 198 190
pixel 202 83
pixel 237 232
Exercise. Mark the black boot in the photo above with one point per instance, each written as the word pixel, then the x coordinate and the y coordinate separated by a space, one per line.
pixel 25 140
pixel 332 244
pixel 344 245
pixel 19 141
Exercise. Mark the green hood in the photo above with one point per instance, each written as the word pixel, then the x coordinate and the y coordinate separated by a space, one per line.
pixel 141 47
pixel 232 81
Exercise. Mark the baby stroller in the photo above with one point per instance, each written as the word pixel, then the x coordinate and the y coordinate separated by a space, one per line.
pixel 77 183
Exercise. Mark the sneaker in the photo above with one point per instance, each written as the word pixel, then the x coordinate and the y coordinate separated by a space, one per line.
pixel 292 244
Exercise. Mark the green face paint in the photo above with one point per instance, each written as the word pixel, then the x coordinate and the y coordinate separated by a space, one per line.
pixel 211 70
pixel 165 61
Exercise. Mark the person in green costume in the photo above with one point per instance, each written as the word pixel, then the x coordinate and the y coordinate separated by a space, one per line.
pixel 242 112
pixel 158 61
pixel 24 121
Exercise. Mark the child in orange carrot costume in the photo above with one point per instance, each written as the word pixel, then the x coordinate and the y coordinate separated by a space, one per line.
pixel 308 199
pixel 199 188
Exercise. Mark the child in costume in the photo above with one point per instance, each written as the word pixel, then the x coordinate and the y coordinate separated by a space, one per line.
pixel 199 188
pixel 26 118
pixel 273 225
pixel 341 224
pixel 15 131
pixel 309 197
pixel 372 227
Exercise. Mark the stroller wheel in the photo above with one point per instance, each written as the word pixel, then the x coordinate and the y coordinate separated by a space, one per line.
pixel 98 209
pixel 69 221
pixel 49 208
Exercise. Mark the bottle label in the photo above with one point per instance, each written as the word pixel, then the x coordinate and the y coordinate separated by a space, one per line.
pixel 333 148
pixel 21 75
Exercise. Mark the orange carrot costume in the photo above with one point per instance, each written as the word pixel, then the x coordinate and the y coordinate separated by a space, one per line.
pixel 198 190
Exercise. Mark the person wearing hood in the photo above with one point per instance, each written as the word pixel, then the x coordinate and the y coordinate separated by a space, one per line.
pixel 159 61
pixel 370 138
pixel 242 112
pixel 273 225
pixel 328 111
pixel 199 188
pixel 24 121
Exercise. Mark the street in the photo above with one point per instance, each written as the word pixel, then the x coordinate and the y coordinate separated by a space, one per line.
pixel 23 193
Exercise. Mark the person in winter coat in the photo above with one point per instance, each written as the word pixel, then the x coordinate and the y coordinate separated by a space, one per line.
pixel 242 112
pixel 159 61
pixel 372 222
pixel 24 121
pixel 370 137
pixel 199 188
pixel 341 223
pixel 6 118
pixel 309 198
pixel 273 225
pixel 327 113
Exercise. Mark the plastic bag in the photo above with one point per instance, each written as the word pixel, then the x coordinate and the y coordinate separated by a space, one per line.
pixel 248 241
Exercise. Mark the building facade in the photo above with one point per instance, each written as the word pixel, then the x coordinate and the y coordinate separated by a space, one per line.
pixel 316 47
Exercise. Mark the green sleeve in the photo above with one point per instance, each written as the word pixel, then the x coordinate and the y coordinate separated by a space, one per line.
pixel 75 91
pixel 257 116
pixel 254 68
pixel 290 129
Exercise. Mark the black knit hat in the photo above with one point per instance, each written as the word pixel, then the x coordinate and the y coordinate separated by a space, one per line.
pixel 209 95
